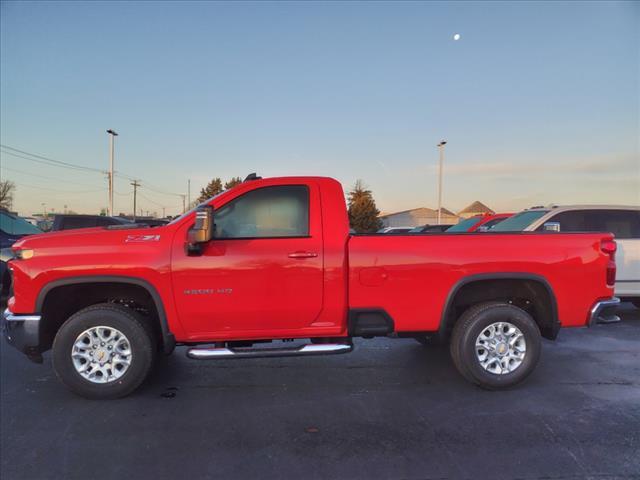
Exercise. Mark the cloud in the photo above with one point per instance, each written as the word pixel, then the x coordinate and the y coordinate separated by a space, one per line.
pixel 620 165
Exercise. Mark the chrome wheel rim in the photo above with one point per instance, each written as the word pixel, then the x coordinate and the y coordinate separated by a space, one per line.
pixel 101 354
pixel 501 348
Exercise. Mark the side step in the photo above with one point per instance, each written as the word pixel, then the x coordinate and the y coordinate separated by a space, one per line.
pixel 201 353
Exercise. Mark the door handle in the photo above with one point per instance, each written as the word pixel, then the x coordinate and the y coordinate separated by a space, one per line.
pixel 302 255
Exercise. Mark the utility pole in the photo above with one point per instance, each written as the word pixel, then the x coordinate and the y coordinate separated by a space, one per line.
pixel 163 213
pixel 183 207
pixel 441 149
pixel 112 134
pixel 135 184
pixel 189 192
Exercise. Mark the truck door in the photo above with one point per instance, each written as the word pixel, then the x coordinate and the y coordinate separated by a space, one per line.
pixel 262 272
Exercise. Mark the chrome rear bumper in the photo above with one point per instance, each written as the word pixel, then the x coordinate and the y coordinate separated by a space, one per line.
pixel 604 311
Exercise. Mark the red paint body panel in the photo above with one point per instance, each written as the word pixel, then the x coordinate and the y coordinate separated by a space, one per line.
pixel 251 288
pixel 422 270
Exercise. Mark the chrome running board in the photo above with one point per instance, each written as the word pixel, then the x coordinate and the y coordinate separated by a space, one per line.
pixel 202 353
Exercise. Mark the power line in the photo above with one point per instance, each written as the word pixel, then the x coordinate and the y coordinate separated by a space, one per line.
pixel 56 190
pixel 47 159
pixel 42 176
pixel 58 163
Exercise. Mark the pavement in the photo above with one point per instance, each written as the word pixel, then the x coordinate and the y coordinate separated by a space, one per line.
pixel 392 409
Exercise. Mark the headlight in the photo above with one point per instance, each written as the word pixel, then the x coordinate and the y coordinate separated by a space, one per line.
pixel 24 253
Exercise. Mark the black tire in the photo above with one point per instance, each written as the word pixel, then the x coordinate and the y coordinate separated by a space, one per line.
pixel 127 321
pixel 471 324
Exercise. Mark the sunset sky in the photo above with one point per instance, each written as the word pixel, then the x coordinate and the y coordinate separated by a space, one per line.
pixel 539 101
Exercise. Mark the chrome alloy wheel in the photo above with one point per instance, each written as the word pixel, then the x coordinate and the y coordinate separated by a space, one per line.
pixel 501 348
pixel 101 354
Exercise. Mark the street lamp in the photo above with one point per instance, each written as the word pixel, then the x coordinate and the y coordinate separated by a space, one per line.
pixel 112 134
pixel 441 150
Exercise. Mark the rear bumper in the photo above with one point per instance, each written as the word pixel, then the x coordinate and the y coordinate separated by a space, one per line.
pixel 604 311
pixel 23 333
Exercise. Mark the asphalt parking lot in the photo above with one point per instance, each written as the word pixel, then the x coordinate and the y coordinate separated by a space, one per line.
pixel 391 409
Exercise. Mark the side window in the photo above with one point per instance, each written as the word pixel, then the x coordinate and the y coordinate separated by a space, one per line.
pixel 71 223
pixel 281 211
pixel 622 223
pixel 571 221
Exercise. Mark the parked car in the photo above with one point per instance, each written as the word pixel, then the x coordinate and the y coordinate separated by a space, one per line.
pixel 430 229
pixel 73 221
pixel 267 260
pixel 12 228
pixel 152 222
pixel 622 221
pixel 479 223
pixel 394 230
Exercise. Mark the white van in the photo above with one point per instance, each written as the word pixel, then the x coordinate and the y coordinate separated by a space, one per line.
pixel 623 222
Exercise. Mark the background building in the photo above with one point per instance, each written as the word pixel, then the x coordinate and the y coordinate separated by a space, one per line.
pixel 418 216
pixel 476 208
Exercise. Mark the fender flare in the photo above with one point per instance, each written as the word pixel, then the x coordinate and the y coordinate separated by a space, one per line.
pixel 446 311
pixel 168 339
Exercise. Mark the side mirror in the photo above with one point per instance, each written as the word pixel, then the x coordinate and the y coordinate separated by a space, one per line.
pixel 202 231
pixel 551 227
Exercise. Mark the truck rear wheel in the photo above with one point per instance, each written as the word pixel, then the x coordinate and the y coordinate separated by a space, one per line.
pixel 495 345
pixel 103 351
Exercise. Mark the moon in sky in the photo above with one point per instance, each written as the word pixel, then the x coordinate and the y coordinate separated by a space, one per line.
pixel 456 36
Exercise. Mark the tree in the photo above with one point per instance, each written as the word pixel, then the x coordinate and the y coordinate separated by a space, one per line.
pixel 232 183
pixel 7 189
pixel 363 214
pixel 214 187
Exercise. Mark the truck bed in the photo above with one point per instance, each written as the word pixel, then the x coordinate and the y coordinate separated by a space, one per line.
pixel 412 277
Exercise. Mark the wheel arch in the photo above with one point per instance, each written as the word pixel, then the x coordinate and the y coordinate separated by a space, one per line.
pixel 167 338
pixel 539 293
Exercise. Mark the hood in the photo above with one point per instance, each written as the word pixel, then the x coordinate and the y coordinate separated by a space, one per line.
pixel 91 236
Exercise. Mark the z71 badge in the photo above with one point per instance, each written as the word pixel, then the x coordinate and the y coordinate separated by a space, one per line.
pixel 142 238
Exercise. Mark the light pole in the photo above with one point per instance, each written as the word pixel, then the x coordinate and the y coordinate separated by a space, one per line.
pixel 135 184
pixel 112 134
pixel 441 150
pixel 44 210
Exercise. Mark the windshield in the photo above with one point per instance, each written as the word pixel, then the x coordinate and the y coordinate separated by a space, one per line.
pixel 518 222
pixel 16 226
pixel 464 225
pixel 416 230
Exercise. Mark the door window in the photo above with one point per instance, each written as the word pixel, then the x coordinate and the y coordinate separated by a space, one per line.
pixel 573 221
pixel 623 224
pixel 270 212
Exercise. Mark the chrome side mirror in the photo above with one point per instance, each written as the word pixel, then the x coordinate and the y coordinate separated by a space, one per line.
pixel 202 231
pixel 551 227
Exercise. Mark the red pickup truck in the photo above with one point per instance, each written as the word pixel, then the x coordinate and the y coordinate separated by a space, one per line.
pixel 273 259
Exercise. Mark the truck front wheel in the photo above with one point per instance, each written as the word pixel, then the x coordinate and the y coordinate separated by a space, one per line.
pixel 495 345
pixel 103 351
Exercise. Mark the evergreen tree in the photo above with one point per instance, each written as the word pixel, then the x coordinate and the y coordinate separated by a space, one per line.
pixel 214 187
pixel 232 183
pixel 363 214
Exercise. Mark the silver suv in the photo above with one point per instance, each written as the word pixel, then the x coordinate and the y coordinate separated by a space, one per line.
pixel 622 221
